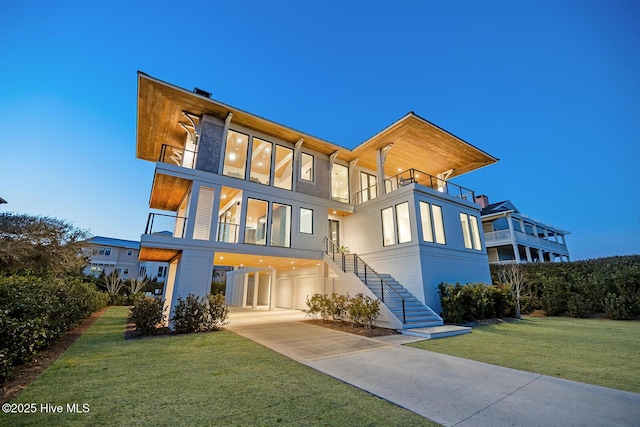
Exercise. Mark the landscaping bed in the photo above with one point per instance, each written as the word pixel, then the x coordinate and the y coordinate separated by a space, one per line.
pixel 343 326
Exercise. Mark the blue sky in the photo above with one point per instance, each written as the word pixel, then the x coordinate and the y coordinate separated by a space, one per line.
pixel 552 88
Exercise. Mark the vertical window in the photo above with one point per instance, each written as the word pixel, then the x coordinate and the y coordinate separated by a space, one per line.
pixel 425 217
pixel 125 271
pixel 306 167
pixel 340 183
pixel 255 229
pixel 306 221
pixel 368 186
pixel 228 224
pixel 260 161
pixel 334 231
pixel 143 271
pixel 388 230
pixel 160 271
pixel 404 224
pixel 475 233
pixel 466 234
pixel 438 224
pixel 283 169
pixel 235 155
pixel 470 231
pixel 281 225
pixel 129 252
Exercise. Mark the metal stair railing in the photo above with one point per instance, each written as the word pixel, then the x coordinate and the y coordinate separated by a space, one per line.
pixel 370 277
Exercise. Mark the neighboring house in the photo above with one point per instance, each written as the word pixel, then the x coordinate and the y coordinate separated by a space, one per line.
pixel 512 237
pixel 296 215
pixel 108 254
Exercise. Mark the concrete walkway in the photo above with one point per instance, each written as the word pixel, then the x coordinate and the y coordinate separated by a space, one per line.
pixel 446 389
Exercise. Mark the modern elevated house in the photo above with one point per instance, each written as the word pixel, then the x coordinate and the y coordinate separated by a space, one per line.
pixel 297 215
pixel 512 237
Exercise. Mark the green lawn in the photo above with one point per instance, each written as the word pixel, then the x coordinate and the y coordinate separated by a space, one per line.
pixel 214 378
pixel 594 351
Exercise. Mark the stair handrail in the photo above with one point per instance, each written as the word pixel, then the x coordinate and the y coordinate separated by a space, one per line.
pixel 383 285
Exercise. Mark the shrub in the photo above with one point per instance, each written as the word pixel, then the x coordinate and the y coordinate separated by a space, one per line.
pixel 190 315
pixel 218 312
pixel 200 314
pixel 363 310
pixel 578 305
pixel 337 306
pixel 317 305
pixel 147 313
pixel 464 303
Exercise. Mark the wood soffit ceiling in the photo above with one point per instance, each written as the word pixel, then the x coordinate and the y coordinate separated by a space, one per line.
pixel 157 254
pixel 168 192
pixel 247 260
pixel 417 143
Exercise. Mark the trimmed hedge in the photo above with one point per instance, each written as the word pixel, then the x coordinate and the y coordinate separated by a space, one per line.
pixel 581 288
pixel 35 311
pixel 475 301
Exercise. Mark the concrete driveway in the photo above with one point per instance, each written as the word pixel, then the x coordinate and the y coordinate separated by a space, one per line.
pixel 449 390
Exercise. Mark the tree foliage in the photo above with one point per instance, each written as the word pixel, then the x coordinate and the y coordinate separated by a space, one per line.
pixel 40 244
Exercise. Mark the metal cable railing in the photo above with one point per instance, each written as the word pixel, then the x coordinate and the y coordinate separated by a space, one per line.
pixel 352 263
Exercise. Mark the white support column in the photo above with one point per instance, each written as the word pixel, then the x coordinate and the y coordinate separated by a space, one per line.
pixel 245 289
pixel 381 158
pixel 274 293
pixel 256 283
pixel 540 255
pixel 528 250
pixel 516 251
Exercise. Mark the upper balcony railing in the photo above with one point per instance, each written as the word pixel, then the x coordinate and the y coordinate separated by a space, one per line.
pixel 524 238
pixel 169 225
pixel 178 156
pixel 411 176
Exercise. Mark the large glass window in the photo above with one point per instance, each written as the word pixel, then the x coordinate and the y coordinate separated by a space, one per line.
pixel 235 154
pixel 425 217
pixel 340 183
pixel 283 169
pixel 255 230
pixel 475 232
pixel 281 225
pixel 260 161
pixel 306 221
pixel 388 230
pixel 228 224
pixel 438 224
pixel 404 224
pixel 306 167
pixel 368 187
pixel 466 234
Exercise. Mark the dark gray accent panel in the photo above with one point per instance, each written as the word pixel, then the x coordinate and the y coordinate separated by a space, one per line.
pixel 322 185
pixel 210 147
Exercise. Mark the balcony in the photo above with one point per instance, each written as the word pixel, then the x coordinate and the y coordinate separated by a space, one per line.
pixel 178 156
pixel 166 225
pixel 504 236
pixel 228 232
pixel 414 176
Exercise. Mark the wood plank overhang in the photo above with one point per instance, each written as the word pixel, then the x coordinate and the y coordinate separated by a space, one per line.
pixel 157 254
pixel 168 192
pixel 417 143
pixel 263 261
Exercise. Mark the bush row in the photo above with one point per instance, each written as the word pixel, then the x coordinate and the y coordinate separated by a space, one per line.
pixel 191 314
pixel 582 288
pixel 475 301
pixel 36 310
pixel 360 310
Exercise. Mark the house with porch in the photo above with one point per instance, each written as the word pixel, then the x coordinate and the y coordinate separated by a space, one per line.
pixel 295 215
pixel 512 237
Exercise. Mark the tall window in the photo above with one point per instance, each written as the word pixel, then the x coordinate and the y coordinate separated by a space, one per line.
pixel 388 230
pixel 228 224
pixel 235 154
pixel 260 161
pixel 404 224
pixel 283 169
pixel 306 167
pixel 438 224
pixel 432 223
pixel 281 225
pixel 340 183
pixel 255 230
pixel 470 231
pixel 306 221
pixel 368 186
pixel 425 217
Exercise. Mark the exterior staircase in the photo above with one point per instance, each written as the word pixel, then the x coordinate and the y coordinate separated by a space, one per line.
pixel 404 306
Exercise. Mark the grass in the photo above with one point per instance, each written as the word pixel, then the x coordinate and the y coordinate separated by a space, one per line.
pixel 214 378
pixel 594 351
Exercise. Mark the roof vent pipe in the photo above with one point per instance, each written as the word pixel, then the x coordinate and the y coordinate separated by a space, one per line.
pixel 201 92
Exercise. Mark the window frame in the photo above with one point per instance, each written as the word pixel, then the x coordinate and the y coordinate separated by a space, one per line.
pixel 300 220
pixel 390 227
pixel 289 212
pixel 397 221
pixel 312 170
